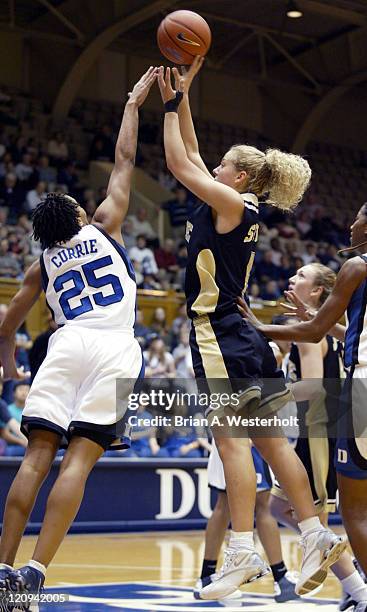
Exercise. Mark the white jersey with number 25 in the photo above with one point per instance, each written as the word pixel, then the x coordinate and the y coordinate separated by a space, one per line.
pixel 90 281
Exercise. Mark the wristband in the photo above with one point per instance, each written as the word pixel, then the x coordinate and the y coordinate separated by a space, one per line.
pixel 172 105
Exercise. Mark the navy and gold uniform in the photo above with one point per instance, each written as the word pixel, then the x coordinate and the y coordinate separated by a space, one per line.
pixel 223 345
pixel 317 427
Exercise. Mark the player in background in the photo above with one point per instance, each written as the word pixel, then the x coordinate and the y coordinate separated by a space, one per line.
pixel 318 368
pixel 222 236
pixel 266 525
pixel 349 296
pixel 90 286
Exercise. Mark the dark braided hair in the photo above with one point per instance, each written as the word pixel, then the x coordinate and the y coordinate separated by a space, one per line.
pixel 55 220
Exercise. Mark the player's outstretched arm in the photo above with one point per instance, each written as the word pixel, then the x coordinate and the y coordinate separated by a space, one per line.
pixel 352 273
pixel 222 198
pixel 111 213
pixel 18 309
pixel 183 82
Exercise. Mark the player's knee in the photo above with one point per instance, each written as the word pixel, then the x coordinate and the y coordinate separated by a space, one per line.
pixel 262 506
pixel 231 446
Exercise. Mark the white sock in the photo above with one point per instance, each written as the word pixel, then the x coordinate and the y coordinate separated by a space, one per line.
pixel 242 539
pixel 355 587
pixel 310 524
pixel 37 566
pixel 5 566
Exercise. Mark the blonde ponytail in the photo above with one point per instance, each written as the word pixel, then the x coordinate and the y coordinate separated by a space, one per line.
pixel 290 177
pixel 283 176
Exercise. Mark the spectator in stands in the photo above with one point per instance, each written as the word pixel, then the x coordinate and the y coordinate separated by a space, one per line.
pixel 178 210
pixel 57 149
pixel 271 291
pixel 149 283
pixel 166 259
pixel 310 254
pixel 265 269
pixel 317 231
pixel 12 196
pixel 159 326
pixel 254 291
pixel 143 257
pixel 34 196
pixel 141 331
pixel 15 409
pixel 182 354
pixel 10 430
pixel 46 172
pixel 9 265
pixel 25 171
pixel 186 441
pixel 141 225
pixel 102 147
pixel 303 224
pixel 331 259
pixel 127 234
pixel 143 437
pixel 23 343
pixel 276 251
pixel 286 270
pixel 179 321
pixel 6 165
pixel 68 176
pixel 159 363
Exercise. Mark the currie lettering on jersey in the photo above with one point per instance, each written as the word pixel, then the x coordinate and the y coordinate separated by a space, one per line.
pixel 83 248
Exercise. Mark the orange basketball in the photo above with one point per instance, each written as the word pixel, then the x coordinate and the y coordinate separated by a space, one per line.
pixel 182 35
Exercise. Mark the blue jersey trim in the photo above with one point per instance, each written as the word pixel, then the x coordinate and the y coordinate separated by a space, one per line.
pixel 356 313
pixel 121 251
pixel 45 281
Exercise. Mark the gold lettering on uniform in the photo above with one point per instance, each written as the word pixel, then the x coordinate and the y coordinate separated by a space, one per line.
pixel 253 233
pixel 207 299
pixel 189 228
pixel 250 263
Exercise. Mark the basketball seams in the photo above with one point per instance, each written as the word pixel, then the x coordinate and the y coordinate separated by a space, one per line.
pixel 188 29
pixel 173 41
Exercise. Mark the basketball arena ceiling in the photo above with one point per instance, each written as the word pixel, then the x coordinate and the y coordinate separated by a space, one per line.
pixel 254 38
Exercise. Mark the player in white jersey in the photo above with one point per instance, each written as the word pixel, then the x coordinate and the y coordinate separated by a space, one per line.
pixel 90 286
pixel 349 294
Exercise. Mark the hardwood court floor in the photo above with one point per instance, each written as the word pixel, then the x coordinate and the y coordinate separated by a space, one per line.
pixel 159 562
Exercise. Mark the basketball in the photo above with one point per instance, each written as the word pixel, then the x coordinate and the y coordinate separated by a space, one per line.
pixel 182 35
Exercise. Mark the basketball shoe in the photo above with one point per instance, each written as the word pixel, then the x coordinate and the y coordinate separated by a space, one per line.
pixel 202 582
pixel 240 566
pixel 321 549
pixel 284 590
pixel 27 581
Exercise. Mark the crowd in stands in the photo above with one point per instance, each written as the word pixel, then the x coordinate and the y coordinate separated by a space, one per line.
pixel 35 159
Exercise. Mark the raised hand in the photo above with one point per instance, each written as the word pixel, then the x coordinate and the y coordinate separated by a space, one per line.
pixel 142 87
pixel 165 85
pixel 297 308
pixel 184 78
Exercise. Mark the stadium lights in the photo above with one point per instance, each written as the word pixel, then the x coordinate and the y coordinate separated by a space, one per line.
pixel 293 11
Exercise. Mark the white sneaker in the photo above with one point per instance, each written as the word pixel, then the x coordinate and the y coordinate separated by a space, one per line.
pixel 361 607
pixel 239 567
pixel 202 582
pixel 321 549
